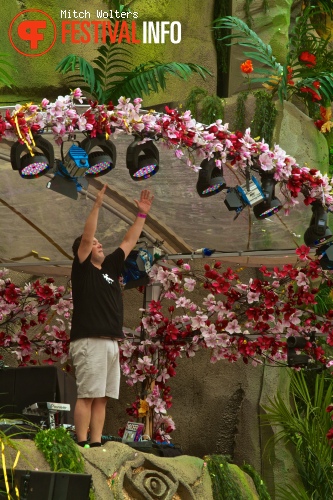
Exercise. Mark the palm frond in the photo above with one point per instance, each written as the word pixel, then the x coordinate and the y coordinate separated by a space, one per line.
pixel 246 37
pixel 303 38
pixel 150 77
pixel 305 424
pixel 75 63
pixel 292 493
pixel 5 76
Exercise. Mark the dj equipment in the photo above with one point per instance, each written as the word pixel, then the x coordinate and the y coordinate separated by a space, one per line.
pixel 22 387
pixel 48 410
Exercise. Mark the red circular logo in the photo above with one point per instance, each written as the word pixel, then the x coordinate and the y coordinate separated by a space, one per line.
pixel 32 33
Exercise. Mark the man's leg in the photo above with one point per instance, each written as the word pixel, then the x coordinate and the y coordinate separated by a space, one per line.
pixel 97 419
pixel 82 417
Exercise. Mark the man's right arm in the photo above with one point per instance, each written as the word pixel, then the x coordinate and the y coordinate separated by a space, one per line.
pixel 90 227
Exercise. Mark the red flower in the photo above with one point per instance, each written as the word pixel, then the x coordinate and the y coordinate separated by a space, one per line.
pixel 308 59
pixel 247 66
pixel 45 292
pixel 290 76
pixel 48 361
pixel 303 252
pixel 264 271
pixel 319 124
pixel 315 95
pixel 11 294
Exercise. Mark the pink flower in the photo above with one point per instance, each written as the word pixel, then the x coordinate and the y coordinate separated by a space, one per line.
pixel 189 284
pixel 233 327
pixel 77 94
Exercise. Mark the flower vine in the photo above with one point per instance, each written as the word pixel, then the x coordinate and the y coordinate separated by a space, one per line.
pixel 189 139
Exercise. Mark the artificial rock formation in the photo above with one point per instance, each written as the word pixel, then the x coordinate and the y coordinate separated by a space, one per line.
pixel 120 472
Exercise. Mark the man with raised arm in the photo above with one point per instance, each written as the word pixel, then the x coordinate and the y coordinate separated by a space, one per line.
pixel 98 319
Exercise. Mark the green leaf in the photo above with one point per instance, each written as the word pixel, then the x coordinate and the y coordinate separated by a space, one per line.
pixel 5 77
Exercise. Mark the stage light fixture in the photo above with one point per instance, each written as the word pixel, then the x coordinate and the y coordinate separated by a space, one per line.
pixel 101 161
pixel 142 159
pixel 271 204
pixel 249 194
pixel 325 255
pixel 37 160
pixel 69 178
pixel 318 232
pixel 210 180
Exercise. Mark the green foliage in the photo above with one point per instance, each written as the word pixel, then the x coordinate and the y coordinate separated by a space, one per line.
pixel 324 300
pixel 303 38
pixel 264 116
pixel 325 5
pixel 205 108
pixel 240 110
pixel 5 77
pixel 212 109
pixel 224 485
pixel 194 98
pixel 317 77
pixel 248 38
pixel 263 121
pixel 60 451
pixel 304 424
pixel 151 77
pixel 110 76
pixel 258 482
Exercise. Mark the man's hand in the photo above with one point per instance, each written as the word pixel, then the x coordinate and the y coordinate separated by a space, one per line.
pixel 100 196
pixel 146 199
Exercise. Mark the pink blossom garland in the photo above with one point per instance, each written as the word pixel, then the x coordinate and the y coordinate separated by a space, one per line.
pixel 178 131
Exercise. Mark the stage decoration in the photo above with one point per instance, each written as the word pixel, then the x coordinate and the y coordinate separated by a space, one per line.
pixel 191 141
pixel 284 319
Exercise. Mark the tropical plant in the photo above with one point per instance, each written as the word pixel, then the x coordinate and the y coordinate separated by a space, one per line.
pixel 204 107
pixel 107 83
pixel 304 424
pixel 308 72
pixel 110 75
pixel 260 51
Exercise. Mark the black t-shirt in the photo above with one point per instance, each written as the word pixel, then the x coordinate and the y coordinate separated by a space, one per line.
pixel 97 299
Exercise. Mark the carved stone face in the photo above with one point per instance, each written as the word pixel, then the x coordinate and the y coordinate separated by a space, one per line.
pixel 132 474
pixel 147 480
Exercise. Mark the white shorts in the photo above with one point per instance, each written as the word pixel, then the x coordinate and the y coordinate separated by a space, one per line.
pixel 97 369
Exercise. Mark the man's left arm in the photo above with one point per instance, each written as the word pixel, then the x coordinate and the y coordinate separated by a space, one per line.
pixel 133 234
